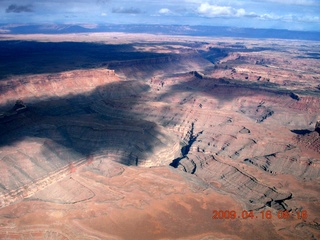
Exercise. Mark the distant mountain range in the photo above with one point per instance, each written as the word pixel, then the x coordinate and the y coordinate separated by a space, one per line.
pixel 211 31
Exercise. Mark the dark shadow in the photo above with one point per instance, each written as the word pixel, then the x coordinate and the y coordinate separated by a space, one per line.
pixel 77 126
pixel 31 57
pixel 301 131
pixel 224 89
pixel 185 149
pixel 310 55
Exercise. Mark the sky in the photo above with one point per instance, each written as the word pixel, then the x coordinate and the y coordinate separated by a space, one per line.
pixel 279 14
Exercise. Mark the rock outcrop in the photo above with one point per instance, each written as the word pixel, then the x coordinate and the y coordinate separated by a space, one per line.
pixel 317 128
pixel 311 140
pixel 19 107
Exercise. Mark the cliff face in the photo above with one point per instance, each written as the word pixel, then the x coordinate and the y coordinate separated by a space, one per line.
pixel 311 140
pixel 317 128
pixel 147 68
pixel 44 86
pixel 239 136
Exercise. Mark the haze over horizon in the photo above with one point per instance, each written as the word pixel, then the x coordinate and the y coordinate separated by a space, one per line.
pixel 302 15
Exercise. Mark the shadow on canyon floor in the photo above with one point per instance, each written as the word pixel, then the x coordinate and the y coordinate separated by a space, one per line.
pixel 301 131
pixel 31 57
pixel 91 123
pixel 225 90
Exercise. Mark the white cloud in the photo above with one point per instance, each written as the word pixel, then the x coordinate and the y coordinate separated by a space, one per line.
pixel 215 11
pixel 268 13
pixel 289 18
pixel 164 11
pixel 269 16
pixel 308 19
pixel 241 12
pixel 208 10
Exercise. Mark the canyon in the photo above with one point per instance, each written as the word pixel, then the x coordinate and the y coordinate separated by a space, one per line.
pixel 141 136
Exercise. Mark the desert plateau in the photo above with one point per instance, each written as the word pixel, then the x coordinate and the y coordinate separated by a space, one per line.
pixel 151 136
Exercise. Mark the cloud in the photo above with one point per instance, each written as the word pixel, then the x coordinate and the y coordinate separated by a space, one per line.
pixel 13 8
pixel 164 11
pixel 285 18
pixel 214 10
pixel 217 11
pixel 268 16
pixel 240 12
pixel 309 19
pixel 130 10
pixel 292 2
pixel 208 10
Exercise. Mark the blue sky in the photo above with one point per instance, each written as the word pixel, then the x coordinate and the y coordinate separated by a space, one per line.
pixel 286 14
